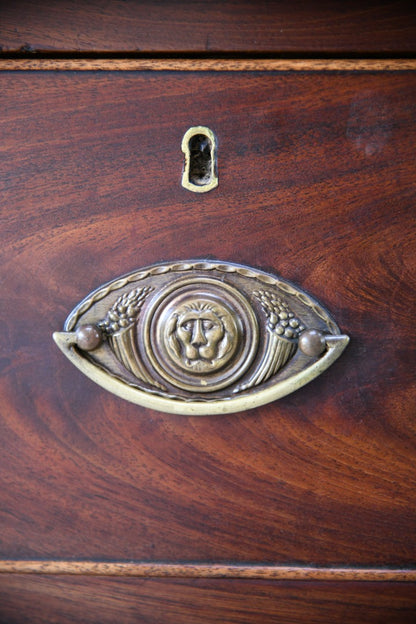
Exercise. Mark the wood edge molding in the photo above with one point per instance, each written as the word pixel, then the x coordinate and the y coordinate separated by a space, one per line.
pixel 186 64
pixel 190 570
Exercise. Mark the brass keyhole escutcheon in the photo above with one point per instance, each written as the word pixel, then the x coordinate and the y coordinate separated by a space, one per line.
pixel 200 170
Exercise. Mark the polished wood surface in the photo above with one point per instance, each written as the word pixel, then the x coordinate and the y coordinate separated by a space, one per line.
pixel 210 570
pixel 316 182
pixel 172 26
pixel 86 600
pixel 217 65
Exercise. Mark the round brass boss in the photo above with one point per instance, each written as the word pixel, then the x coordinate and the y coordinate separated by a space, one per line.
pixel 200 334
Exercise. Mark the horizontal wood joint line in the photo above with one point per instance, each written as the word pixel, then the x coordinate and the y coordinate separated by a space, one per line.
pixel 217 64
pixel 190 570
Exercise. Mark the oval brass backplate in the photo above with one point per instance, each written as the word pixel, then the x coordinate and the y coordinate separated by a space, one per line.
pixel 200 337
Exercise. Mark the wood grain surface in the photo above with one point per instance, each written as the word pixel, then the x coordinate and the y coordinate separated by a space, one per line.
pixel 144 26
pixel 217 64
pixel 211 570
pixel 316 182
pixel 85 600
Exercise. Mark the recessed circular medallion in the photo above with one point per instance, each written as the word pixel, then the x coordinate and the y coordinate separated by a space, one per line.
pixel 200 334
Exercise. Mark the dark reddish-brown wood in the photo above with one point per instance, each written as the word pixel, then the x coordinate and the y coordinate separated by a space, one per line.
pixel 316 182
pixel 143 26
pixel 87 600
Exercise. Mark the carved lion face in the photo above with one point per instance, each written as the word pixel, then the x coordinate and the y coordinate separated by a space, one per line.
pixel 201 334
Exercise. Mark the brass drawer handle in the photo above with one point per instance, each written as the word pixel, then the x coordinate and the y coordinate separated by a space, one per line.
pixel 200 337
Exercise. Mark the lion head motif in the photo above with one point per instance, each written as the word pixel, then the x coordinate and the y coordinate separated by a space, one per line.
pixel 201 336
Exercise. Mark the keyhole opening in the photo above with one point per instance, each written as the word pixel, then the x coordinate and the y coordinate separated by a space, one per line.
pixel 199 147
pixel 200 165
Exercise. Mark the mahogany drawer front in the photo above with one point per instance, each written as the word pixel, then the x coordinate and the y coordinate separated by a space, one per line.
pixel 316 182
pixel 177 26
pixel 86 600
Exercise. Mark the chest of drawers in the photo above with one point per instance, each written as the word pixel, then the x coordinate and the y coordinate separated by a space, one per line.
pixel 298 511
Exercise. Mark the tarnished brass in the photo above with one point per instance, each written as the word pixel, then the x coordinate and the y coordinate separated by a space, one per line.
pixel 200 170
pixel 200 337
